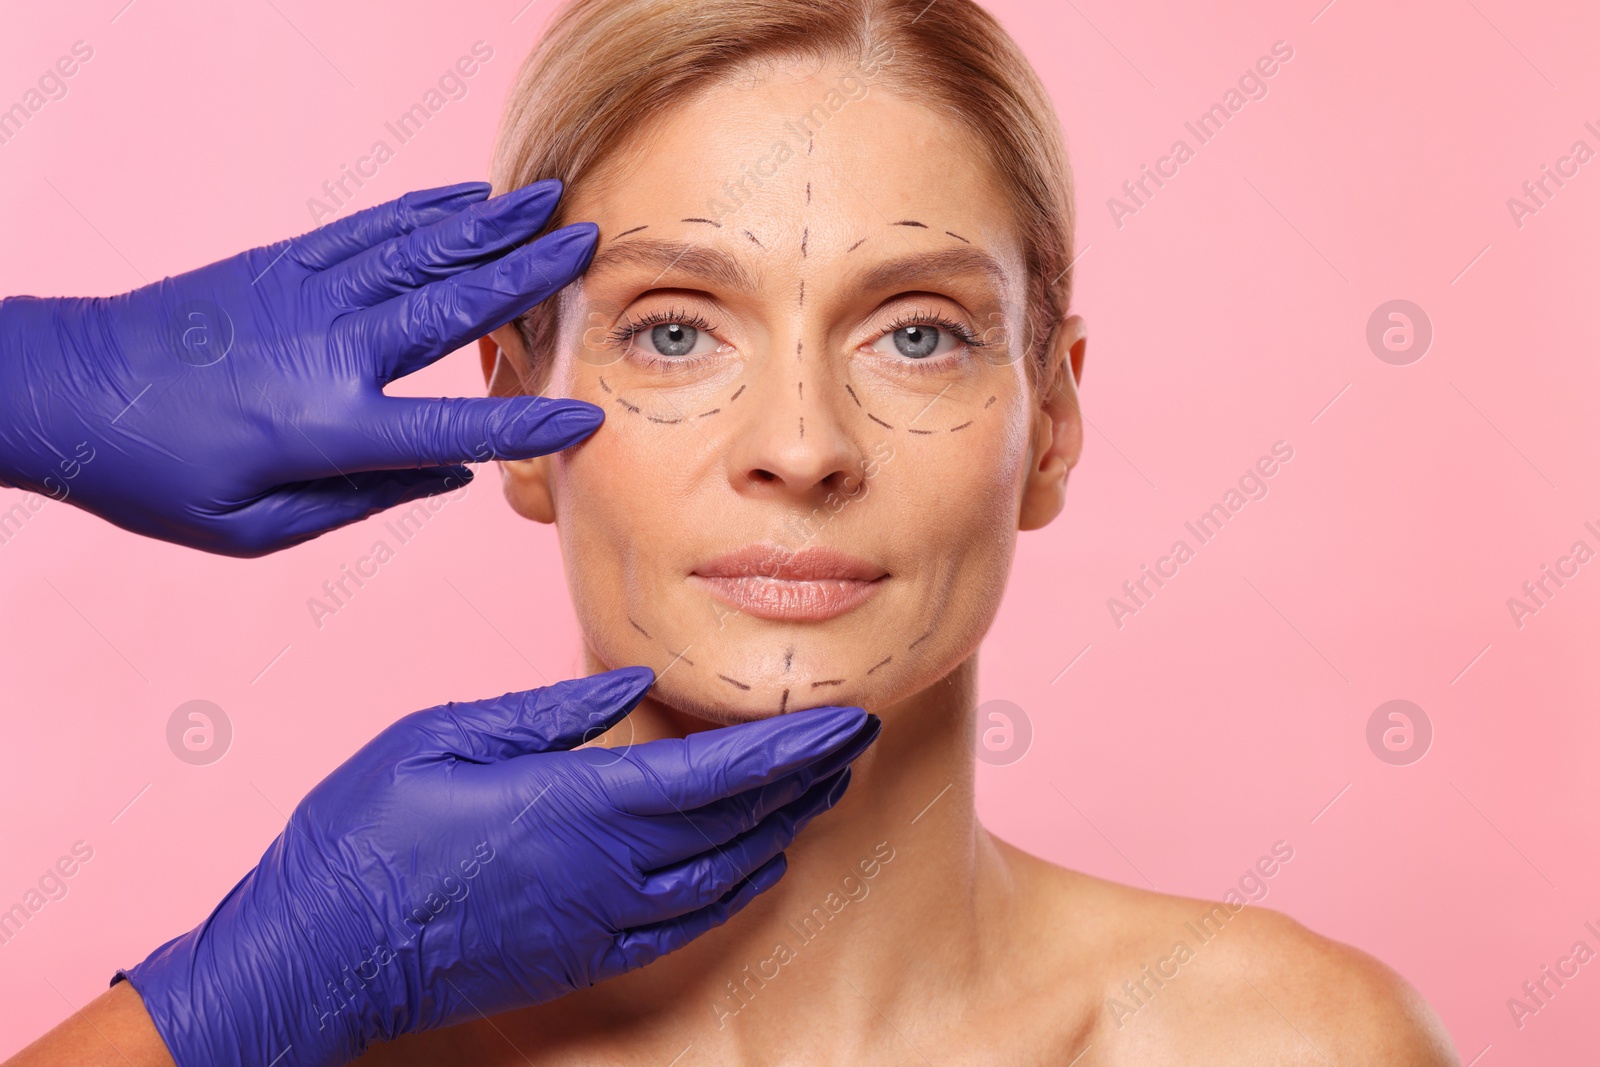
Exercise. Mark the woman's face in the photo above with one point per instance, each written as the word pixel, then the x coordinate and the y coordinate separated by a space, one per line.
pixel 803 323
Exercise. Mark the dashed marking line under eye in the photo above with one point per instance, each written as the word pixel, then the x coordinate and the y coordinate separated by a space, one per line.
pixel 986 403
pixel 921 431
pixel 736 395
pixel 665 422
pixel 879 421
pixel 963 426
pixel 604 386
pixel 703 414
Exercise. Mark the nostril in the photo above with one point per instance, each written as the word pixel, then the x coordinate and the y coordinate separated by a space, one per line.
pixel 763 476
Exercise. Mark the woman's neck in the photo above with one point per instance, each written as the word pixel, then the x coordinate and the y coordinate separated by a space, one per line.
pixel 900 870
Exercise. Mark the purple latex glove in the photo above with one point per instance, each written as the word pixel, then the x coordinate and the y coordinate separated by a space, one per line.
pixel 239 408
pixel 467 861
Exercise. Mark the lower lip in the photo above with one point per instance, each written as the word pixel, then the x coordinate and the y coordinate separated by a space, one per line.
pixel 791 601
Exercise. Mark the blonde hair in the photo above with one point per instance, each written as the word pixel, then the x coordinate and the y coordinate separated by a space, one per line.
pixel 605 67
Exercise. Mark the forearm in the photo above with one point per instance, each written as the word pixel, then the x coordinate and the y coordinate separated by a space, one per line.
pixel 113 1030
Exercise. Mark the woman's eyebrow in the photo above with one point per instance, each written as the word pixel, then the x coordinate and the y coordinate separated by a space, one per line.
pixel 919 266
pixel 699 261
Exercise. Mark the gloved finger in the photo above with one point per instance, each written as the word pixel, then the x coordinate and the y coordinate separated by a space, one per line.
pixel 640 945
pixel 300 511
pixel 556 717
pixel 702 879
pixel 681 835
pixel 443 248
pixel 676 774
pixel 338 241
pixel 410 331
pixel 396 432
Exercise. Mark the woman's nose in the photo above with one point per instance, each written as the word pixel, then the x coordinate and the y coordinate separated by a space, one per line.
pixel 794 441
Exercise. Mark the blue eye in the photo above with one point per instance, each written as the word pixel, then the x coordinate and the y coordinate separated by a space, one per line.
pixel 674 339
pixel 916 342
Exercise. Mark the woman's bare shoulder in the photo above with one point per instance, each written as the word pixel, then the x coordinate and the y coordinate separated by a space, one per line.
pixel 1184 980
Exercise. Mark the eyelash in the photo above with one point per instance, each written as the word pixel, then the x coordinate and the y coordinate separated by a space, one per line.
pixel 623 335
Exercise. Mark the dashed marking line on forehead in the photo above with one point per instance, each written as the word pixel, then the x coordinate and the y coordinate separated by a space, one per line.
pixel 911 222
pixel 734 682
pixel 805 241
pixel 752 237
pixel 626 233
pixel 808 192
pixel 802 292
pixel 855 246
pixel 708 222
pixel 958 237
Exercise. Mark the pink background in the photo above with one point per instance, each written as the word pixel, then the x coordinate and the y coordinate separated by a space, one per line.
pixel 1225 315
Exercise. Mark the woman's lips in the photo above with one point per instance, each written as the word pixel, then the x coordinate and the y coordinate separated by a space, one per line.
pixel 774 583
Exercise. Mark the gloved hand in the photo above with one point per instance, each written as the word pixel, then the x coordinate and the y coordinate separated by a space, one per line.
pixel 239 408
pixel 466 861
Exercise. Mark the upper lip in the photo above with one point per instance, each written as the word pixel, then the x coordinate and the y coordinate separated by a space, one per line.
pixel 771 561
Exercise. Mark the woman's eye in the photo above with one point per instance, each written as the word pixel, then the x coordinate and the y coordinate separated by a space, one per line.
pixel 920 341
pixel 674 340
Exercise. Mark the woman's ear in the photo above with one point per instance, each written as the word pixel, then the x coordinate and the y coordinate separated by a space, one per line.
pixel 1057 427
pixel 526 482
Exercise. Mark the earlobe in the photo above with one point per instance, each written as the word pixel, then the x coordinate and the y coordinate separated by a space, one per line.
pixel 526 482
pixel 1058 427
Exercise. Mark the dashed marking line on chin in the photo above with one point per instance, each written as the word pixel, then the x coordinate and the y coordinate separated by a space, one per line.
pixel 921 639
pixel 884 662
pixel 827 682
pixel 732 681
pixel 641 629
pixel 676 656
pixel 783 703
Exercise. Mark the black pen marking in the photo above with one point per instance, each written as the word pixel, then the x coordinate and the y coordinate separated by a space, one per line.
pixel 625 233
pixel 811 142
pixel 921 431
pixel 788 659
pixel 802 425
pixel 665 422
pixel 800 387
pixel 635 408
pixel 827 682
pixel 604 386
pixel 708 222
pixel 963 426
pixel 680 655
pixel 855 246
pixel 852 393
pixel 735 684
pixel 802 292
pixel 879 421
pixel 641 629
pixel 986 403
pixel 735 396
pixel 912 222
pixel 703 414
pixel 752 237
pixel 921 639
pixel 799 349
pixel 958 237
pixel 805 242
pixel 783 704
pixel 808 192
pixel 882 662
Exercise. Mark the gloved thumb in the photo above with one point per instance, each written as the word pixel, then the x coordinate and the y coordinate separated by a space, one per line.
pixel 557 717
